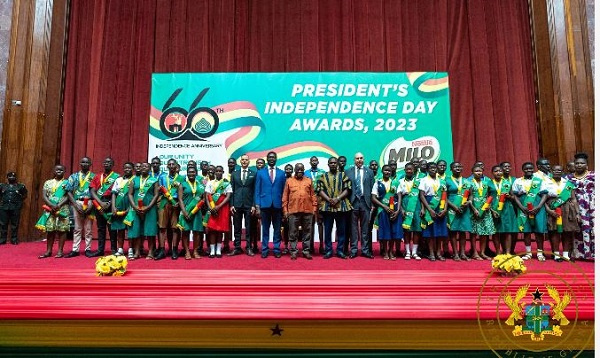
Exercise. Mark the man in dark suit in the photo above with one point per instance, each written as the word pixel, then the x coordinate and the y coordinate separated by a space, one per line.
pixel 242 183
pixel 268 192
pixel 362 180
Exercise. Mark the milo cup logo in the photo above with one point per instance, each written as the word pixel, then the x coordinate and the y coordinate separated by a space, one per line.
pixel 402 150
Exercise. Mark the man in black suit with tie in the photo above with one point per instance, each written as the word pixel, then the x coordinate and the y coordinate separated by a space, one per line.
pixel 362 180
pixel 242 183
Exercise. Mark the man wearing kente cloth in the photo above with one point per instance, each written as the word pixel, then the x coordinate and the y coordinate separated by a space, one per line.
pixel 314 173
pixel 12 195
pixel 142 216
pixel 78 190
pixel 334 188
pixel 55 219
pixel 168 209
pixel 101 190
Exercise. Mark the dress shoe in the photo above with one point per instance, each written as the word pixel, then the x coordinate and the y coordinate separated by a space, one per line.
pixel 15 242
pixel 321 250
pixel 89 253
pixel 342 256
pixel 174 255
pixel 277 255
pixel 235 252
pixel 72 254
pixel 352 256
pixel 249 252
pixel 264 255
pixel 95 254
pixel 327 255
pixel 294 256
pixel 226 248
pixel 160 254
pixel 369 255
pixel 307 256
pixel 255 250
pixel 285 251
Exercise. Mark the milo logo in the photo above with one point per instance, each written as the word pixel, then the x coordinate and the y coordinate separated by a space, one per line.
pixel 402 150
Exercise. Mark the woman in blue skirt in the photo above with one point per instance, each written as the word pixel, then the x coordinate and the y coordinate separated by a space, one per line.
pixel 385 196
pixel 432 192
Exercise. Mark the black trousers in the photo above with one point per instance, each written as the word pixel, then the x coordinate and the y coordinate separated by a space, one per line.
pixel 9 218
pixel 103 225
pixel 242 214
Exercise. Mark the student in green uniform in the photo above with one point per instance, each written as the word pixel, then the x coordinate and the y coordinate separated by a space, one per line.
pixel 55 222
pixel 483 223
pixel 143 194
pixel 503 211
pixel 411 207
pixel 120 207
pixel 563 213
pixel 459 210
pixel 531 192
pixel 191 195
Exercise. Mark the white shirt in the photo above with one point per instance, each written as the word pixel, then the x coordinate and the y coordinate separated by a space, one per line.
pixel 356 170
pixel 553 187
pixel 522 186
pixel 430 186
pixel 212 185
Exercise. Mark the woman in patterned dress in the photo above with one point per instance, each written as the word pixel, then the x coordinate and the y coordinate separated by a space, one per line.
pixel 584 245
pixel 483 223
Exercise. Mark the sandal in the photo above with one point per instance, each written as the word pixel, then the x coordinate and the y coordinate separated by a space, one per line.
pixel 486 257
pixel 59 255
pixel 456 257
pixel 441 258
pixel 188 256
pixel 464 257
pixel 392 257
pixel 416 257
pixel 477 257
pixel 431 258
pixel 45 255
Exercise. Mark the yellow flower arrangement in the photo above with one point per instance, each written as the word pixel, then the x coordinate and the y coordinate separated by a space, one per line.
pixel 111 266
pixel 509 263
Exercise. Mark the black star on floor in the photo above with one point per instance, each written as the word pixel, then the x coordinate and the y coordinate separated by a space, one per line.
pixel 537 295
pixel 276 331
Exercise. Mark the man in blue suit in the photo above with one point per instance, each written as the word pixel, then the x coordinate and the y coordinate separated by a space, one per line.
pixel 268 192
pixel 362 180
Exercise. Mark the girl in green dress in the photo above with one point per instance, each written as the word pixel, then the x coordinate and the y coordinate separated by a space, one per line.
pixel 120 206
pixel 411 207
pixel 143 193
pixel 531 192
pixel 503 210
pixel 459 212
pixel 55 220
pixel 483 224
pixel 191 193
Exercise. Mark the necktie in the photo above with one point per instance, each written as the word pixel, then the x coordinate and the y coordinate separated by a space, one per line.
pixel 244 176
pixel 271 174
pixel 359 182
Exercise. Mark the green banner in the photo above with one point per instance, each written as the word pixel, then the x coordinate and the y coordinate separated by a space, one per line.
pixel 214 116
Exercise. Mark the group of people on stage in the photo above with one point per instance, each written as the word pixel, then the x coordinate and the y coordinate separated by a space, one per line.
pixel 422 203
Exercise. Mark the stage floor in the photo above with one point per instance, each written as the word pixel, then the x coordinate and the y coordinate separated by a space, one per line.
pixel 243 287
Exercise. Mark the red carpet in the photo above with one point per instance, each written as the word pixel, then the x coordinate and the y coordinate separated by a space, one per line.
pixel 253 288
